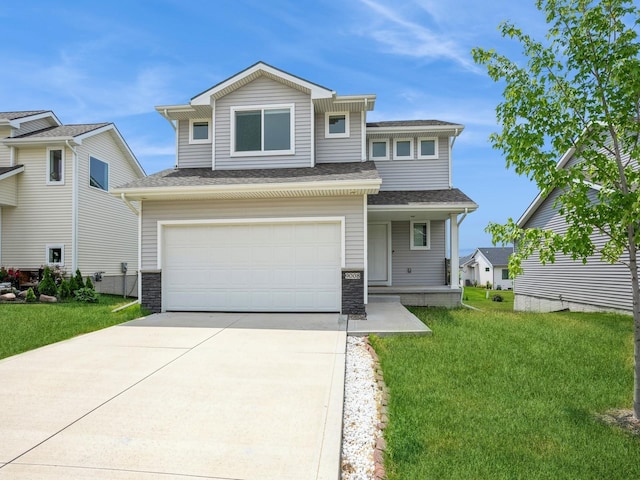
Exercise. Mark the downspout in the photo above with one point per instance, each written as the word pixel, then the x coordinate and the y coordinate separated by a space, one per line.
pixel 136 212
pixel 74 208
pixel 460 220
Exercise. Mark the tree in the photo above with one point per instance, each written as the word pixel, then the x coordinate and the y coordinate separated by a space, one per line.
pixel 580 89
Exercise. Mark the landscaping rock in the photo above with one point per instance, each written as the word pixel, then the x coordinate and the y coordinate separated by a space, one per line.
pixel 48 299
pixel 22 294
pixel 8 296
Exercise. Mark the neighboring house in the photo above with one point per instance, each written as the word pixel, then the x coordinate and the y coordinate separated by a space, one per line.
pixel 487 265
pixel 284 198
pixel 55 208
pixel 568 284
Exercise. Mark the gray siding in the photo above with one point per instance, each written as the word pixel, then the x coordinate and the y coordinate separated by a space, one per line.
pixel 416 174
pixel 427 266
pixel 263 91
pixel 195 155
pixel 595 283
pixel 349 207
pixel 335 150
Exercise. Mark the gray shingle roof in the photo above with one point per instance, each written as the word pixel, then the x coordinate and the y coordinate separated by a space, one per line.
pixel 450 195
pixel 409 123
pixel 497 255
pixel 64 131
pixel 206 176
pixel 15 115
pixel 4 170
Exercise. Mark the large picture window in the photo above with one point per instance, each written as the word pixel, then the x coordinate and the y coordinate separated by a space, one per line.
pixel 262 130
pixel 98 174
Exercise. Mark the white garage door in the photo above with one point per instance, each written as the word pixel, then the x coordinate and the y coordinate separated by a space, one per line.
pixel 256 267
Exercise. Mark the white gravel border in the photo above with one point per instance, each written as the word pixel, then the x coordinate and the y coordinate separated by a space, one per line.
pixel 363 398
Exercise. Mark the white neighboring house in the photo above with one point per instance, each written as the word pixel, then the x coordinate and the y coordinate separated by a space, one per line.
pixel 55 206
pixel 487 265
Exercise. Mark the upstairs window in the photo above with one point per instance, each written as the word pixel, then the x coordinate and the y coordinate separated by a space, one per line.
pixel 420 235
pixel 403 148
pixel 199 131
pixel 336 124
pixel 262 130
pixel 55 166
pixel 428 148
pixel 98 174
pixel 379 149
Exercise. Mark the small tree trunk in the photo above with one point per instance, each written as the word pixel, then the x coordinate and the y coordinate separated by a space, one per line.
pixel 635 287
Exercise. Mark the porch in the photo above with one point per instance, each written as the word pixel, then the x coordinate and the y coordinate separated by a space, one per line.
pixel 416 295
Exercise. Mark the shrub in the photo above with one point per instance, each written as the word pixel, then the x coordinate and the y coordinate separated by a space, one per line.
pixel 31 297
pixel 79 281
pixel 47 285
pixel 12 275
pixel 497 298
pixel 73 285
pixel 86 295
pixel 64 290
pixel 489 285
pixel 89 284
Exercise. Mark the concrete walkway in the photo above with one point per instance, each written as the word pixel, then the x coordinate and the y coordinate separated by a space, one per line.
pixel 388 318
pixel 218 396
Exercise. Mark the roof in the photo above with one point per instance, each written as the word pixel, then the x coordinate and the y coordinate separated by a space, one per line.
pixel 6 172
pixel 496 255
pixel 401 128
pixel 16 115
pixel 418 197
pixel 63 131
pixel 409 123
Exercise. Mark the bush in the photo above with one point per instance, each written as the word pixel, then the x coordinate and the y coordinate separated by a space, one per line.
pixel 86 295
pixel 47 285
pixel 89 284
pixel 31 296
pixel 64 290
pixel 79 281
pixel 73 285
pixel 497 298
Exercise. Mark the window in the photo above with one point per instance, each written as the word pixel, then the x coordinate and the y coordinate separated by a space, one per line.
pixel 336 124
pixel 55 166
pixel 199 131
pixel 379 149
pixel 55 254
pixel 505 274
pixel 420 235
pixel 487 269
pixel 98 174
pixel 262 130
pixel 403 148
pixel 428 148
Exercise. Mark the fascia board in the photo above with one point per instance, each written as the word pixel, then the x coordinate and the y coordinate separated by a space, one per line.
pixel 416 128
pixel 471 207
pixel 39 140
pixel 11 173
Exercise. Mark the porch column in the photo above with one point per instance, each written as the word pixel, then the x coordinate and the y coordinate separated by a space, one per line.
pixel 454 250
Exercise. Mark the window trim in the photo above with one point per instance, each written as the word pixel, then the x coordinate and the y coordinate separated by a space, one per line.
pixel 503 276
pixel 48 248
pixel 262 152
pixel 48 178
pixel 403 157
pixel 413 246
pixel 327 134
pixel 108 174
pixel 194 141
pixel 435 148
pixel 378 140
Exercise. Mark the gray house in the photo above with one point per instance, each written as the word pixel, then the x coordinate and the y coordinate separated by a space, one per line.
pixel 567 283
pixel 284 198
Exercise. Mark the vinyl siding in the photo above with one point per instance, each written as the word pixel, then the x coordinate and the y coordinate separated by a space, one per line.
pixel 32 126
pixel 263 91
pixel 4 151
pixel 595 283
pixel 9 191
pixel 349 207
pixel 336 150
pixel 195 155
pixel 107 229
pixel 43 214
pixel 416 174
pixel 427 266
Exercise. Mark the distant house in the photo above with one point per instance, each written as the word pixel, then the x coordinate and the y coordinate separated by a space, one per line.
pixel 55 206
pixel 487 265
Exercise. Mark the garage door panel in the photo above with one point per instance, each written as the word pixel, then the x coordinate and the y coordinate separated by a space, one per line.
pixel 259 267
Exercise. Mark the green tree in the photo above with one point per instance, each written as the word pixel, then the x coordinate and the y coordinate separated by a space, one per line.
pixel 47 285
pixel 79 280
pixel 579 89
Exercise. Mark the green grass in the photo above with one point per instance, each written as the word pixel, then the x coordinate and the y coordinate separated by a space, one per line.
pixel 27 326
pixel 477 297
pixel 504 395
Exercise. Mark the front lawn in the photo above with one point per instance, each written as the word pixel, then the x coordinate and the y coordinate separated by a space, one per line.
pixel 27 326
pixel 483 299
pixel 504 395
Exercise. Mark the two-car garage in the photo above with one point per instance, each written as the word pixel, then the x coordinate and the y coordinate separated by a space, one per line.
pixel 278 265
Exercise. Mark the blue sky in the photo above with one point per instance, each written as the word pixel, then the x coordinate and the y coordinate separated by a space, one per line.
pixel 115 60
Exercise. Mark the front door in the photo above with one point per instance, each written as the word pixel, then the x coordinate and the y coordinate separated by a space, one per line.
pixel 378 253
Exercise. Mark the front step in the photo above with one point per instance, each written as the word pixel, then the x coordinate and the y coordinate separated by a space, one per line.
pixel 384 298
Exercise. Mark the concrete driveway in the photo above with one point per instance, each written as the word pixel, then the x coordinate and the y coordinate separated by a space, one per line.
pixel 221 396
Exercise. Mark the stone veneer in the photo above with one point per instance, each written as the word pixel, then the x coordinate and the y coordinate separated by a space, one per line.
pixel 353 292
pixel 152 290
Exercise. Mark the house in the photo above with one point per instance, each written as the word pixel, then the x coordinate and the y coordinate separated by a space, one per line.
pixel 568 284
pixel 487 265
pixel 284 198
pixel 55 208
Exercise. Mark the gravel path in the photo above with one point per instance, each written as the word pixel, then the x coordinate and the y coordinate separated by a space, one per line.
pixel 362 413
